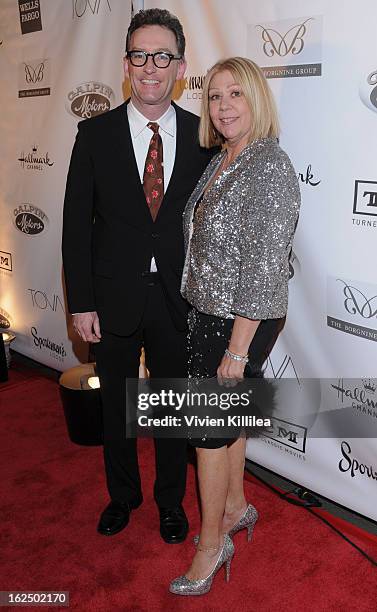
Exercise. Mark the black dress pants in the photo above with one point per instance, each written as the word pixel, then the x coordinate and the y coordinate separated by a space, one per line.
pixel 117 359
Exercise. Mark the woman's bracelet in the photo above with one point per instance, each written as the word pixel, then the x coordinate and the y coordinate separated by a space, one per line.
pixel 242 358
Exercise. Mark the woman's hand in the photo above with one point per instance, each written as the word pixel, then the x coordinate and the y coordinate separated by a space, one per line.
pixel 230 372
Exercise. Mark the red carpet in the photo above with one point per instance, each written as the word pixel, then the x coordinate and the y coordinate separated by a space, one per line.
pixel 54 492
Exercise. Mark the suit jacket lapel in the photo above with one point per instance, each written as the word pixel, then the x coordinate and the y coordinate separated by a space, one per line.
pixel 123 149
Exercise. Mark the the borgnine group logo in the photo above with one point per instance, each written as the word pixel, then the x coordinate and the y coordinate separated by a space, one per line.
pixel 287 48
pixel 89 99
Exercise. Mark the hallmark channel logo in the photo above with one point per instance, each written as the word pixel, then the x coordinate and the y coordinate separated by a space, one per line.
pixel 365 204
pixel 83 7
pixel 6 261
pixel 352 307
pixel 35 160
pixel 30 16
pixel 43 301
pixel 56 350
pixel 90 99
pixel 308 177
pixel 368 90
pixel 30 219
pixel 287 48
pixel 353 466
pixel 360 394
pixel 193 86
pixel 34 78
pixel 5 319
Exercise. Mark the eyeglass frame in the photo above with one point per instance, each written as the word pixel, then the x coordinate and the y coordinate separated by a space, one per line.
pixel 152 55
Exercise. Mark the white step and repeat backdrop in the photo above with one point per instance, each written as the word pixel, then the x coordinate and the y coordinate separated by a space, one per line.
pixel 60 60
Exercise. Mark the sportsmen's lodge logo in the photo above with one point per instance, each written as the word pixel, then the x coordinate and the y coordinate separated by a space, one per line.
pixel 90 99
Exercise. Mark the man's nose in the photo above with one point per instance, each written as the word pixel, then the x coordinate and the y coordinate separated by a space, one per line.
pixel 149 65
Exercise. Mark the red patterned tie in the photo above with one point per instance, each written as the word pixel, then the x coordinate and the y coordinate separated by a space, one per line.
pixel 153 179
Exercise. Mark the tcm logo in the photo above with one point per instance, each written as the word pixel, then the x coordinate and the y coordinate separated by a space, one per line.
pixel 287 433
pixel 287 48
pixel 90 99
pixel 6 261
pixel 30 16
pixel 41 300
pixel 34 78
pixel 81 7
pixel 30 220
pixel 365 198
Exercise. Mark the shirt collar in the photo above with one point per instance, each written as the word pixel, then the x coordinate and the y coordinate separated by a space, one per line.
pixel 138 122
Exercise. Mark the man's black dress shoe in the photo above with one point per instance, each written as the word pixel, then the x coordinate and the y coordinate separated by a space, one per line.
pixel 173 525
pixel 115 517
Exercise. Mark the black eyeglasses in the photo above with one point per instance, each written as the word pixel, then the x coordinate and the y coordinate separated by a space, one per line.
pixel 161 59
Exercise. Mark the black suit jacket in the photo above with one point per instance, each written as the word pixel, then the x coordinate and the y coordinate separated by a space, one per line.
pixel 108 233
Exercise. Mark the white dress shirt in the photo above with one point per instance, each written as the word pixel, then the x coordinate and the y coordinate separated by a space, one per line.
pixel 141 136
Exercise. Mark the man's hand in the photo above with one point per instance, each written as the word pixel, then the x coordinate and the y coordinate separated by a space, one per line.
pixel 86 324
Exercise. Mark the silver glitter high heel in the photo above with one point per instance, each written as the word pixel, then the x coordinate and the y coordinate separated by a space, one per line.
pixel 184 586
pixel 247 520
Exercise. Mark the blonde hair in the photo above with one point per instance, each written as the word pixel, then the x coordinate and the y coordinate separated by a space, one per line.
pixel 258 95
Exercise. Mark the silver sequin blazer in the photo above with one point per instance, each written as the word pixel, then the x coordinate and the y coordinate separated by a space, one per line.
pixel 238 245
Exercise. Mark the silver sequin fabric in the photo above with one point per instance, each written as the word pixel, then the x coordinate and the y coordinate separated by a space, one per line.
pixel 239 239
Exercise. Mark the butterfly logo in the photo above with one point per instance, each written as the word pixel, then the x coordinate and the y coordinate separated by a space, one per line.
pixel 34 75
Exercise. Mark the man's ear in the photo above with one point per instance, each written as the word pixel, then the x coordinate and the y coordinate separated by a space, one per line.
pixel 125 67
pixel 181 69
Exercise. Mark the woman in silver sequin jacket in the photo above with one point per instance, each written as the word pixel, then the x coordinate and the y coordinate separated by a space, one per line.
pixel 239 225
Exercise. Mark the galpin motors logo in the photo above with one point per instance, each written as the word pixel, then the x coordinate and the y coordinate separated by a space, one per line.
pixel 5 319
pixel 34 78
pixel 81 7
pixel 56 350
pixel 287 48
pixel 30 219
pixel 34 160
pixel 355 305
pixel 30 16
pixel 365 204
pixel 368 90
pixel 6 261
pixel 90 99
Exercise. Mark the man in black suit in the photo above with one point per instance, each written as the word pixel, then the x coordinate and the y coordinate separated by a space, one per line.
pixel 123 256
